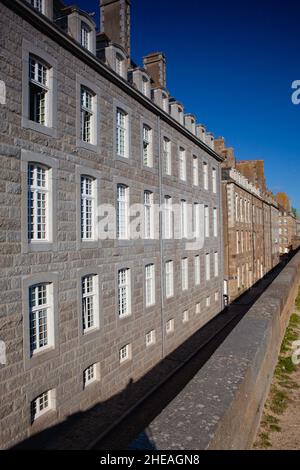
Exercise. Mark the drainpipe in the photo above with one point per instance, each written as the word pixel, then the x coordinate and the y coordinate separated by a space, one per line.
pixel 160 166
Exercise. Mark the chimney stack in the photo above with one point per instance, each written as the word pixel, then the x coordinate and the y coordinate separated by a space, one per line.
pixel 115 22
pixel 155 64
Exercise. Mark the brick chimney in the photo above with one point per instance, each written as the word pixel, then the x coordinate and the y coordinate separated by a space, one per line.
pixel 115 22
pixel 155 64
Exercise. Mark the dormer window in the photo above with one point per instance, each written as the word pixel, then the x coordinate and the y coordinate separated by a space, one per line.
pixel 38 5
pixel 180 115
pixel 85 36
pixel 165 103
pixel 145 84
pixel 120 65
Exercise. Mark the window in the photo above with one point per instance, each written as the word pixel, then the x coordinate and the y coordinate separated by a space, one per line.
pixel 238 278
pixel 167 156
pixel 122 133
pixel 216 264
pixel 145 85
pixel 38 202
pixel 169 274
pixel 215 221
pixel 205 175
pixel 38 5
pixel 42 404
pixel 198 308
pixel 214 180
pixel 185 316
pixel 207 266
pixel 236 207
pixel 182 164
pixel 170 326
pixel 196 220
pixel 147 146
pixel 195 171
pixel 90 375
pixel 242 242
pixel 237 243
pixel 185 274
pixel 183 210
pixel 148 215
pixel 216 296
pixel 165 102
pixel 87 203
pixel 90 304
pixel 38 91
pixel 124 294
pixel 150 285
pixel 206 221
pixel 241 210
pixel 168 218
pixel 120 65
pixel 207 302
pixel 125 353
pixel 150 338
pixel 41 317
pixel 87 115
pixel 197 270
pixel 85 37
pixel 122 212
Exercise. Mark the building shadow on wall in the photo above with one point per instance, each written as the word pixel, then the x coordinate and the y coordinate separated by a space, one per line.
pixel 82 430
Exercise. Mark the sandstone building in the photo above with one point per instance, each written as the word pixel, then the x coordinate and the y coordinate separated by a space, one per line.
pixel 287 223
pixel 84 128
pixel 250 223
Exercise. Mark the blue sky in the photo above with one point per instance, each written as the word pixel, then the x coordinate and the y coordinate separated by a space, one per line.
pixel 231 64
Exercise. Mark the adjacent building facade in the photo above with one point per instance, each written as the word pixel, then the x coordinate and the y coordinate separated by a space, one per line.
pixel 250 221
pixel 84 131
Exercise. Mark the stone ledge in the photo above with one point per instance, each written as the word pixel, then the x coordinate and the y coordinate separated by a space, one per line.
pixel 221 406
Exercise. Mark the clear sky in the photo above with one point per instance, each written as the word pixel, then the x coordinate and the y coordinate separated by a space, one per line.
pixel 231 63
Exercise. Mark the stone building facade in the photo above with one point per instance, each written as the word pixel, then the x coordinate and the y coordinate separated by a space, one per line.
pixel 81 315
pixel 250 225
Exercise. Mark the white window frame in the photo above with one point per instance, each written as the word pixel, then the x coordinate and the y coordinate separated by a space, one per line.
pixel 88 131
pixel 185 274
pixel 170 326
pixel 182 164
pixel 195 170
pixel 149 285
pixel 169 279
pixel 148 215
pixel 122 212
pixel 206 222
pixel 208 301
pixel 42 404
pixel 41 318
pixel 90 303
pixel 183 218
pixel 39 195
pixel 39 5
pixel 205 175
pixel 124 292
pixel 207 267
pixel 198 308
pixel 85 35
pixel 125 353
pixel 167 156
pixel 39 80
pixel 168 217
pixel 88 198
pixel 122 133
pixel 197 270
pixel 215 221
pixel 214 180
pixel 150 338
pixel 147 146
pixel 216 264
pixel 90 375
pixel 185 316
